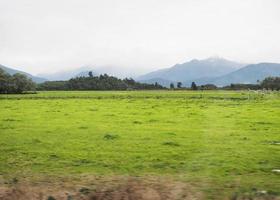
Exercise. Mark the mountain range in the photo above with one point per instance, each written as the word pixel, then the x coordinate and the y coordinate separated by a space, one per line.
pixel 195 69
pixel 250 74
pixel 214 70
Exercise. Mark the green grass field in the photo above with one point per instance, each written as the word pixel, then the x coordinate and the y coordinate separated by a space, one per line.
pixel 221 142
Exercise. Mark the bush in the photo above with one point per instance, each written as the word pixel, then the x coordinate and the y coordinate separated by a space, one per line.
pixel 17 83
pixel 271 83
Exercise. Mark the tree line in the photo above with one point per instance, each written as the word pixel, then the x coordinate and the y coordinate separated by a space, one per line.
pixel 269 83
pixel 19 83
pixel 102 82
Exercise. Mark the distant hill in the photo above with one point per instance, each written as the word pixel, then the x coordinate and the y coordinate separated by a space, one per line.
pixel 249 74
pixel 195 69
pixel 11 71
pixel 120 72
pixel 216 71
pixel 66 75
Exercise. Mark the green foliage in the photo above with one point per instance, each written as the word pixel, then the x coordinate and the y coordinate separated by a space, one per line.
pixel 193 86
pixel 4 83
pixel 271 83
pixel 102 82
pixel 16 83
pixel 53 85
pixel 208 87
pixel 243 87
pixel 179 84
pixel 90 74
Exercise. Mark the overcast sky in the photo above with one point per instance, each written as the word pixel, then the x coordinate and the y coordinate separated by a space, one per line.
pixel 40 36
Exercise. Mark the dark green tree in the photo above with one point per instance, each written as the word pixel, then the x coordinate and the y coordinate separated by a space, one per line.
pixel 193 86
pixel 179 85
pixel 208 87
pixel 21 83
pixel 171 85
pixel 102 82
pixel 4 81
pixel 271 83
pixel 16 83
pixel 90 74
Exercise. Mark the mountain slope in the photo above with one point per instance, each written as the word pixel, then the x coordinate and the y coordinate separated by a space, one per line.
pixel 195 69
pixel 249 74
pixel 66 75
pixel 11 71
pixel 117 71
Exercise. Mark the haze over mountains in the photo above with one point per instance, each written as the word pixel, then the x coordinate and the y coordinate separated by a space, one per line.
pixel 195 69
pixel 214 70
pixel 192 70
pixel 11 71
pixel 249 74
pixel 120 72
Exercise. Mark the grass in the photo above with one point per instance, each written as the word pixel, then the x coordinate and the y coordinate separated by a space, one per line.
pixel 222 141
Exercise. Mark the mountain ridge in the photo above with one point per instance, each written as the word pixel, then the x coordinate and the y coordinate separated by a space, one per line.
pixel 207 71
pixel 12 71
pixel 249 74
pixel 116 71
pixel 194 69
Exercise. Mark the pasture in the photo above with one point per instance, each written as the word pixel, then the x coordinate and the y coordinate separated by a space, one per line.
pixel 222 143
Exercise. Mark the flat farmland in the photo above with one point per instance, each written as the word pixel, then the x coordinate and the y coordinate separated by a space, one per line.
pixel 222 144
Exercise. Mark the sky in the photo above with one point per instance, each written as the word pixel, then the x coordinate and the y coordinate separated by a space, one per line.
pixel 46 36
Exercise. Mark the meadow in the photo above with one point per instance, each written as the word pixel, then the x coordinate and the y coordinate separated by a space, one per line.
pixel 223 143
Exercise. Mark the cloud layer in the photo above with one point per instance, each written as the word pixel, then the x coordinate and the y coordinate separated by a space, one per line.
pixel 140 35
